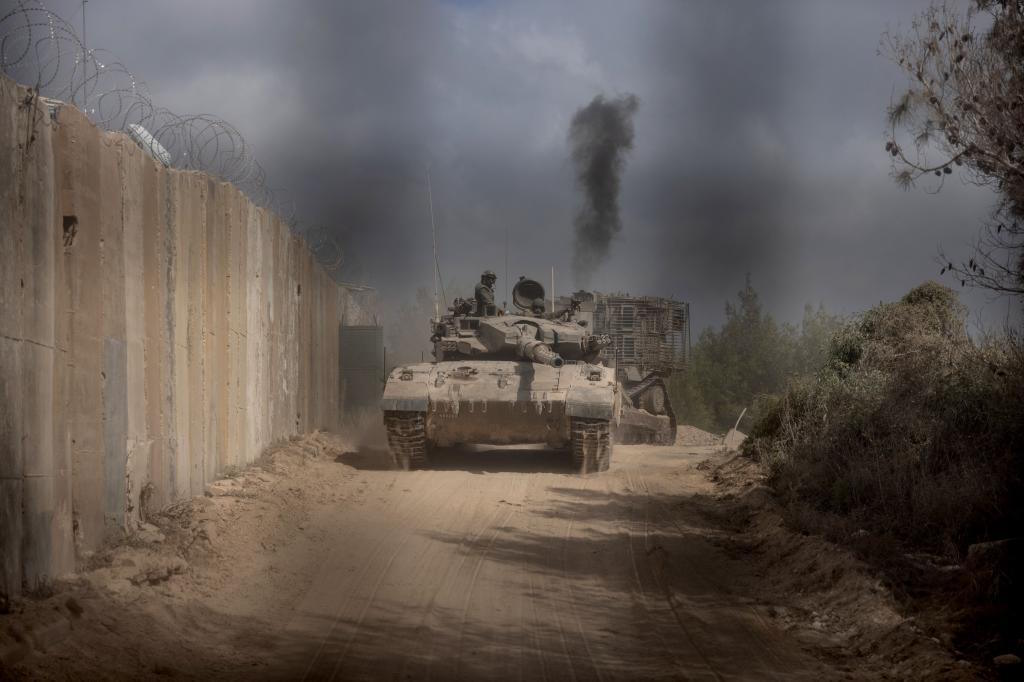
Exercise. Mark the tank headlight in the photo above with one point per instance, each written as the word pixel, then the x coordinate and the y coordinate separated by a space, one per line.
pixel 406 375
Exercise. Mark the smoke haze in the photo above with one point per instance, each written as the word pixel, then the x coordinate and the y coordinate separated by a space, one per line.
pixel 759 140
pixel 600 135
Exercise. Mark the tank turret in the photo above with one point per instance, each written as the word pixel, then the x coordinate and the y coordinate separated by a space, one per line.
pixel 544 338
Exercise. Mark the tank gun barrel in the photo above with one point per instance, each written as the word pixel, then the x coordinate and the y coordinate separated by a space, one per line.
pixel 539 352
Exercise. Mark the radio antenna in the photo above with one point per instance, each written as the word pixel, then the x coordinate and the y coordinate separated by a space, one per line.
pixel 506 268
pixel 433 238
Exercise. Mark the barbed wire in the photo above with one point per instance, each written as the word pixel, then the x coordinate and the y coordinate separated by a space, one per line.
pixel 324 247
pixel 41 50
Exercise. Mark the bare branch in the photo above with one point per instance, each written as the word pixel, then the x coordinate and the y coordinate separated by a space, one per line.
pixel 963 109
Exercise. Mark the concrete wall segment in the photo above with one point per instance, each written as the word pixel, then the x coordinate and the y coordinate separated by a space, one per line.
pixel 155 342
pixel 182 201
pixel 12 260
pixel 62 556
pixel 80 186
pixel 195 228
pixel 39 489
pixel 168 209
pixel 10 540
pixel 155 328
pixel 254 334
pixel 138 445
pixel 237 315
pixel 215 324
pixel 113 375
pixel 11 466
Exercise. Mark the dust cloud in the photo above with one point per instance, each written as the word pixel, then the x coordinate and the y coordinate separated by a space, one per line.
pixel 364 429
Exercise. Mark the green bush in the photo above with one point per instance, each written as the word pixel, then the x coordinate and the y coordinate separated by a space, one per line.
pixel 910 429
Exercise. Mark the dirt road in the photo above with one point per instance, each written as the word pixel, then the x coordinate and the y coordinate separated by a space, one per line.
pixel 503 565
pixel 499 564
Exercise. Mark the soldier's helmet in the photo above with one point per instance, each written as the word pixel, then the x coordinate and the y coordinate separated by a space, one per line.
pixel 489 275
pixel 537 305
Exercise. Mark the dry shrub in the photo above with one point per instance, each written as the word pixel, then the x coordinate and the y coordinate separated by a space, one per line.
pixel 909 443
pixel 911 431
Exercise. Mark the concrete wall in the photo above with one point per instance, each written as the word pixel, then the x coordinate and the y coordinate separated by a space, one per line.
pixel 155 328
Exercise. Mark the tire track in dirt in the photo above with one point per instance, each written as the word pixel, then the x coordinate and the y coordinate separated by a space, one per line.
pixel 527 578
pixel 649 548
pixel 572 637
pixel 629 527
pixel 569 581
pixel 400 530
pixel 700 571
pixel 454 516
pixel 371 599
pixel 480 559
pixel 765 651
pixel 469 537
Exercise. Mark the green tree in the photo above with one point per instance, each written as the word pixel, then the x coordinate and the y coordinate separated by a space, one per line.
pixel 749 356
pixel 812 344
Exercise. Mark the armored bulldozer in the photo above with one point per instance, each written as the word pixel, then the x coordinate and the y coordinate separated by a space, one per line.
pixel 501 379
pixel 650 339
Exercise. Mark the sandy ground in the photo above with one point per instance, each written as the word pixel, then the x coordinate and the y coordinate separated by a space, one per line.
pixel 498 564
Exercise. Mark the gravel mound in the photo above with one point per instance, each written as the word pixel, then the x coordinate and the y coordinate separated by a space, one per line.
pixel 691 435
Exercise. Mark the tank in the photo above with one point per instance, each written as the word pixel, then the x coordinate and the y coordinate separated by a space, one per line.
pixel 506 378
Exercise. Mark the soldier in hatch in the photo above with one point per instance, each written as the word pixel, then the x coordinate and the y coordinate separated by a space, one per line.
pixel 484 292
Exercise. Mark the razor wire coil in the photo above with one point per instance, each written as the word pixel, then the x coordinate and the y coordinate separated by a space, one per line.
pixel 41 50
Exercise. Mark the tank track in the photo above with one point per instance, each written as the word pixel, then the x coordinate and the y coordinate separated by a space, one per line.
pixel 591 445
pixel 407 439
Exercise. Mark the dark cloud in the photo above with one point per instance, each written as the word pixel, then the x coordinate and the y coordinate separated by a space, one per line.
pixel 758 146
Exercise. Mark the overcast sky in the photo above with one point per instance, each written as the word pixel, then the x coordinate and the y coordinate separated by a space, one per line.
pixel 758 139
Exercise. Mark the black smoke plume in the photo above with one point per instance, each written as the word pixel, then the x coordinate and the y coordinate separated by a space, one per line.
pixel 600 135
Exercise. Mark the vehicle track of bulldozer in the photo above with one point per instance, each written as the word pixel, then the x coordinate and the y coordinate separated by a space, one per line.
pixel 648 397
pixel 591 445
pixel 407 439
